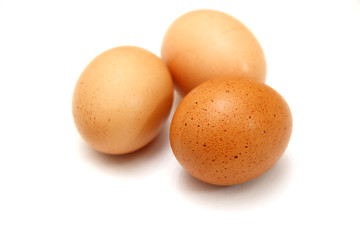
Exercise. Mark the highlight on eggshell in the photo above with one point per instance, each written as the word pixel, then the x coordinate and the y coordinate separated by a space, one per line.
pixel 122 99
pixel 205 44
pixel 228 131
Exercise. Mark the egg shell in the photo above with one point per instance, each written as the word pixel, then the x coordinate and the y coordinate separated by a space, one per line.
pixel 206 44
pixel 229 130
pixel 122 99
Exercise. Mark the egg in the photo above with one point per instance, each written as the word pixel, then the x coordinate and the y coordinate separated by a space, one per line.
pixel 228 131
pixel 122 99
pixel 205 44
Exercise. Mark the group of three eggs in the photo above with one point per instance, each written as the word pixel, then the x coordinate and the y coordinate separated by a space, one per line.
pixel 229 128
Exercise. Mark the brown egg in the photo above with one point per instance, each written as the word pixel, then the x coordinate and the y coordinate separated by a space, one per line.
pixel 228 130
pixel 122 99
pixel 207 44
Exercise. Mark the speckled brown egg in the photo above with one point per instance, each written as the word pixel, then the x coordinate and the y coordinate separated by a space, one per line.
pixel 205 44
pixel 228 131
pixel 122 100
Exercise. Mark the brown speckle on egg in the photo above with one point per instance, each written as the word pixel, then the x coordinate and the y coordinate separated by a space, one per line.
pixel 241 139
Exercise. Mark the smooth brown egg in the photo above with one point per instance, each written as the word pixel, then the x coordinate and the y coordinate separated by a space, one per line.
pixel 206 44
pixel 122 99
pixel 229 130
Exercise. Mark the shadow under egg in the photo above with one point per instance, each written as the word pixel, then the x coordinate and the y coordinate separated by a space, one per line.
pixel 269 185
pixel 136 162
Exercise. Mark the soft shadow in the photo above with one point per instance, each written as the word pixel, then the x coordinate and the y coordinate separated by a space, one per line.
pixel 268 186
pixel 177 99
pixel 140 161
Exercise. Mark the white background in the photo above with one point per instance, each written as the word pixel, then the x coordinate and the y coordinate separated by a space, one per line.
pixel 53 186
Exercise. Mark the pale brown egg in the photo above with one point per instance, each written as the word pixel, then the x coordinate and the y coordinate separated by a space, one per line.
pixel 229 130
pixel 122 99
pixel 206 44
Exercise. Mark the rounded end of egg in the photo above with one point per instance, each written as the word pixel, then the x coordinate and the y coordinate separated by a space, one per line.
pixel 206 44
